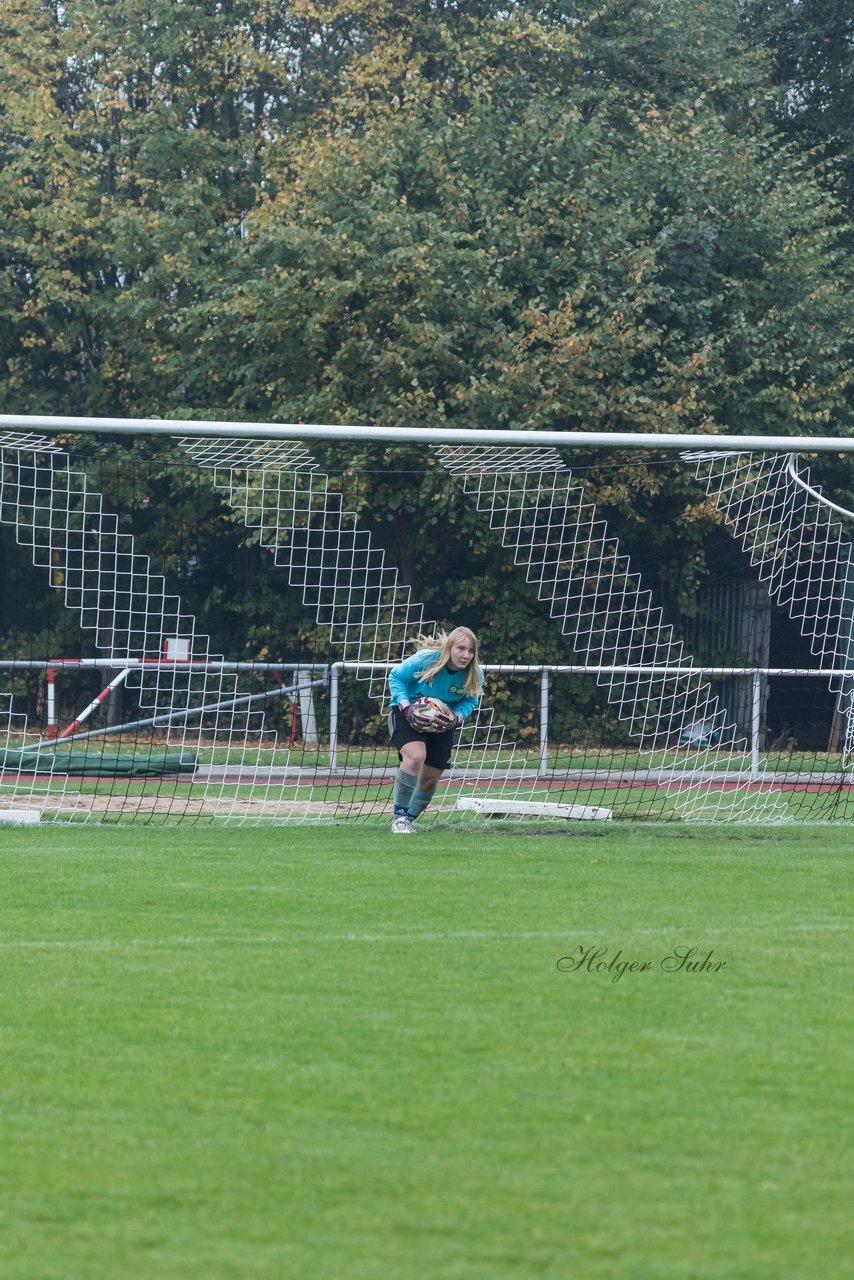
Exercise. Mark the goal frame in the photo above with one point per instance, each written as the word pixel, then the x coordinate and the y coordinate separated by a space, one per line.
pixel 53 424
pixel 513 443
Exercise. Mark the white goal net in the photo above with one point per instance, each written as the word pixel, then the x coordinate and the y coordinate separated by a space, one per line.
pixel 199 628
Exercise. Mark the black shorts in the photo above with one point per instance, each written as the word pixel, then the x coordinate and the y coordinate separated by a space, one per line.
pixel 439 745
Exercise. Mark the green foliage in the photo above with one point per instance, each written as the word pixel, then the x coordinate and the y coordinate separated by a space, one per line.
pixel 810 49
pixel 556 215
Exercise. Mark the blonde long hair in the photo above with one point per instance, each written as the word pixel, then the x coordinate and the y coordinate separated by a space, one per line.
pixel 443 641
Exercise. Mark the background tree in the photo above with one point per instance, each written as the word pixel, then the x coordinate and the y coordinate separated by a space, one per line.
pixel 810 47
pixel 536 248
pixel 559 215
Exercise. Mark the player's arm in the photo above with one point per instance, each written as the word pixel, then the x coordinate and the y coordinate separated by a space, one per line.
pixel 399 685
pixel 465 706
pixel 463 709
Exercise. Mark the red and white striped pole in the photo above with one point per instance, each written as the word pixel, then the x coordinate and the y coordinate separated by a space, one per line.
pixel 96 702
pixel 51 702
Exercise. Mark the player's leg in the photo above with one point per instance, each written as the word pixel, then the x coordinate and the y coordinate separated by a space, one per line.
pixel 409 773
pixel 411 752
pixel 428 780
pixel 438 748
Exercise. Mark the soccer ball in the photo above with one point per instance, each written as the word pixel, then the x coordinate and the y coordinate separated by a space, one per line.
pixel 430 715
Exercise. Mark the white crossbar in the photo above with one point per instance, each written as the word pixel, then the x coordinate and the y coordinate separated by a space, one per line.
pixel 426 435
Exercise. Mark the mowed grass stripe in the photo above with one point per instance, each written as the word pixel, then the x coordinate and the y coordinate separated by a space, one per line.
pixel 459 935
pixel 330 1053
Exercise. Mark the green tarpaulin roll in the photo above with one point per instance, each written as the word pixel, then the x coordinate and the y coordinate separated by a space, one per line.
pixel 97 764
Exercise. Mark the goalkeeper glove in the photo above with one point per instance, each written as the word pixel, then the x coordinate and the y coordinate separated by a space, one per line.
pixel 404 708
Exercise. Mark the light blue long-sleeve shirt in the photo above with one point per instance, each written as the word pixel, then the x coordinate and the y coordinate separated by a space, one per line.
pixel 405 683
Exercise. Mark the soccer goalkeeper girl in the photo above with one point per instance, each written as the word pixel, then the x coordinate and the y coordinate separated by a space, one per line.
pixel 444 666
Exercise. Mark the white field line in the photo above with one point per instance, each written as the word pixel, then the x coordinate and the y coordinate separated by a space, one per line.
pixel 592 937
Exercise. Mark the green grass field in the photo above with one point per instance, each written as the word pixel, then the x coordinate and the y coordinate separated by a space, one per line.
pixel 329 1054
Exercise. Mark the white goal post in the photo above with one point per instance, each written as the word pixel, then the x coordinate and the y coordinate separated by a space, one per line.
pixel 620 708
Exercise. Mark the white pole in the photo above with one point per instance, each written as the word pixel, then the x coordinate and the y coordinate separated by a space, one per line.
pixel 52 423
pixel 333 714
pixel 544 720
pixel 308 719
pixel 755 724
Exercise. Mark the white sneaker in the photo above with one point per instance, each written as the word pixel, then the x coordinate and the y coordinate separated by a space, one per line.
pixel 402 826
